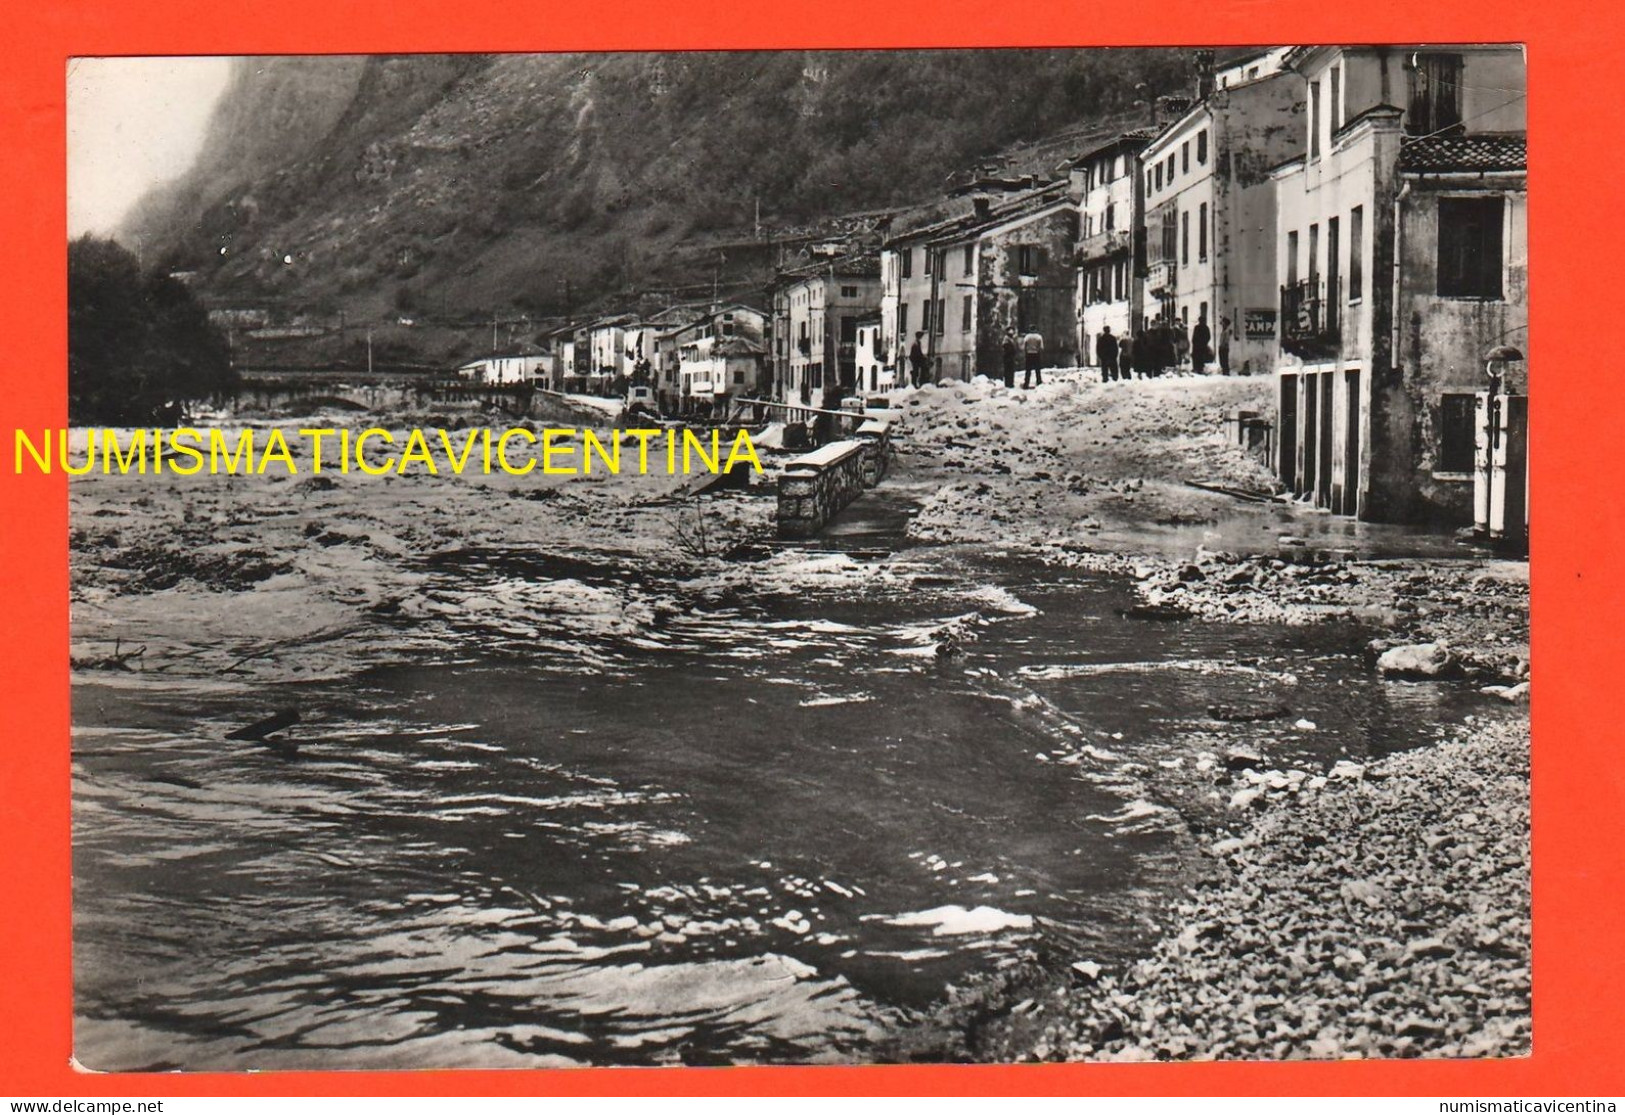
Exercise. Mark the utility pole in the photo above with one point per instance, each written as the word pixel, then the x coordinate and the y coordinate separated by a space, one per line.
pixel 369 350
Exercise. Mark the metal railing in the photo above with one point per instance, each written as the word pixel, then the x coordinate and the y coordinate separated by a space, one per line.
pixel 1112 241
pixel 1309 316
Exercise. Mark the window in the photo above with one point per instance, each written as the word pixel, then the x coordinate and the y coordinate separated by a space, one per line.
pixel 1111 217
pixel 739 376
pixel 1314 255
pixel 1435 94
pixel 1159 176
pixel 942 315
pixel 964 316
pixel 1314 120
pixel 1185 237
pixel 849 330
pixel 849 292
pixel 970 257
pixel 1470 247
pixel 1458 433
pixel 1334 100
pixel 906 257
pixel 925 318
pixel 1201 147
pixel 1292 259
pixel 1185 157
pixel 1356 253
pixel 902 325
pixel 1027 261
pixel 928 260
pixel 1201 235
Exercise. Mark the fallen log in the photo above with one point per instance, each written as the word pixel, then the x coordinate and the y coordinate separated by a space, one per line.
pixel 258 730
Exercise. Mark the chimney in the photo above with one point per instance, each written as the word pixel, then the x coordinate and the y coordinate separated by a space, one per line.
pixel 982 205
pixel 1203 61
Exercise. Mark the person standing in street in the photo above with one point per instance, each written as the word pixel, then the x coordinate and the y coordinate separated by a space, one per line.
pixel 1127 354
pixel 1008 350
pixel 917 360
pixel 1224 346
pixel 1182 342
pixel 1032 346
pixel 1106 351
pixel 1144 352
pixel 1201 344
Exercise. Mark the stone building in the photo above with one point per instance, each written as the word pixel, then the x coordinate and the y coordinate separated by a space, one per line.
pixel 1402 254
pixel 964 280
pixel 1210 213
pixel 1111 239
pixel 814 326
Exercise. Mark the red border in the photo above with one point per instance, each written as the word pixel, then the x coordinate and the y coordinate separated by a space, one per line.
pixel 1577 231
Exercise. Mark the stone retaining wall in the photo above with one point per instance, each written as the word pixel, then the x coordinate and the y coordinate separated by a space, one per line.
pixel 814 487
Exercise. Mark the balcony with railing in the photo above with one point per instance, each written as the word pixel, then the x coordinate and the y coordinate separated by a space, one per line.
pixel 1104 245
pixel 1309 318
pixel 1162 277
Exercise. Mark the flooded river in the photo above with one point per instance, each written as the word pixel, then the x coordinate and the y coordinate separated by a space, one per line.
pixel 715 824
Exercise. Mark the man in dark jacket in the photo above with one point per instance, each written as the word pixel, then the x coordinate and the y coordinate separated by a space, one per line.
pixel 1201 342
pixel 917 361
pixel 1106 351
pixel 1009 350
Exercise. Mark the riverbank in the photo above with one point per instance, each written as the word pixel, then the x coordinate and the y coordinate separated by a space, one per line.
pixel 227 589
pixel 1098 476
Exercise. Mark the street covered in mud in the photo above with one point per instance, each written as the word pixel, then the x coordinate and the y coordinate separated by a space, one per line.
pixel 1038 751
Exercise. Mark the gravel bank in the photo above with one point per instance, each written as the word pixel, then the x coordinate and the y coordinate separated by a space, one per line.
pixel 1379 912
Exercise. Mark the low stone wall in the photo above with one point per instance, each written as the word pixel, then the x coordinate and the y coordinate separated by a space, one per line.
pixel 877 455
pixel 814 487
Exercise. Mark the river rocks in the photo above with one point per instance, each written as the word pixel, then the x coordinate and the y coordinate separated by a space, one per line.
pixel 1418 660
pixel 1516 694
pixel 1243 714
pixel 1250 798
pixel 1242 759
pixel 1430 946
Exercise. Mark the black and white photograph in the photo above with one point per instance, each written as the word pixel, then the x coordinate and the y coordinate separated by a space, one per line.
pixel 798 557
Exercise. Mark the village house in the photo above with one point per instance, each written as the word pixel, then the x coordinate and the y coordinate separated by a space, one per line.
pixel 607 351
pixel 695 353
pixel 815 313
pixel 1210 215
pixel 1402 251
pixel 1250 65
pixel 716 367
pixel 1006 264
pixel 1110 254
pixel 873 373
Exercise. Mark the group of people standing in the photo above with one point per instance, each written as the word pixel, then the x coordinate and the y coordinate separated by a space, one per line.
pixel 1161 346
pixel 1157 347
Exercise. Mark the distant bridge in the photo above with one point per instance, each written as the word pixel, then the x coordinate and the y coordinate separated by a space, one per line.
pixel 381 391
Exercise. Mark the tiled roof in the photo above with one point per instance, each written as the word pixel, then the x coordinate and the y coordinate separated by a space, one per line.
pixel 1482 153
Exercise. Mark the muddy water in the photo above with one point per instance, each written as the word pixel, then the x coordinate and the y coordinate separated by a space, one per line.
pixel 721 825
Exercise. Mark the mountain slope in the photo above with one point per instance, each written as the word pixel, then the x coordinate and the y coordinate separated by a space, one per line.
pixel 447 185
